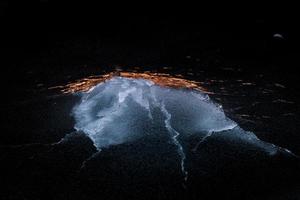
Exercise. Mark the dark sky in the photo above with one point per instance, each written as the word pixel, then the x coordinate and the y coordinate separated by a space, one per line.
pixel 246 31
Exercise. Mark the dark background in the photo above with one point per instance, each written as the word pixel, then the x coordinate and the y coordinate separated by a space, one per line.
pixel 49 43
pixel 50 37
pixel 39 29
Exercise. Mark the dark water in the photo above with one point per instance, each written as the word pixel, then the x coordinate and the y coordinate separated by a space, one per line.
pixel 251 74
pixel 34 165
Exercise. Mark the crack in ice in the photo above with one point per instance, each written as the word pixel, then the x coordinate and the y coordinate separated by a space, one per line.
pixel 122 110
pixel 174 135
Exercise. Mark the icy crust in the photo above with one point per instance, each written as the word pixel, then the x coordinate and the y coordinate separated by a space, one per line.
pixel 122 110
pixel 118 110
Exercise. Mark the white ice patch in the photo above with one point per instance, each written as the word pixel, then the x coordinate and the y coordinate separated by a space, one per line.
pixel 120 110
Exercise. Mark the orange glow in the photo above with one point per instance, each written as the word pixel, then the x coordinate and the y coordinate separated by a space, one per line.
pixel 161 79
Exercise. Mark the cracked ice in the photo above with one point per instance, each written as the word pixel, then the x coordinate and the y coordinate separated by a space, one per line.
pixel 123 110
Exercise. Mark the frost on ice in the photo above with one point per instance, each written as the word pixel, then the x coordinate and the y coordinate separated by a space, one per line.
pixel 123 110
